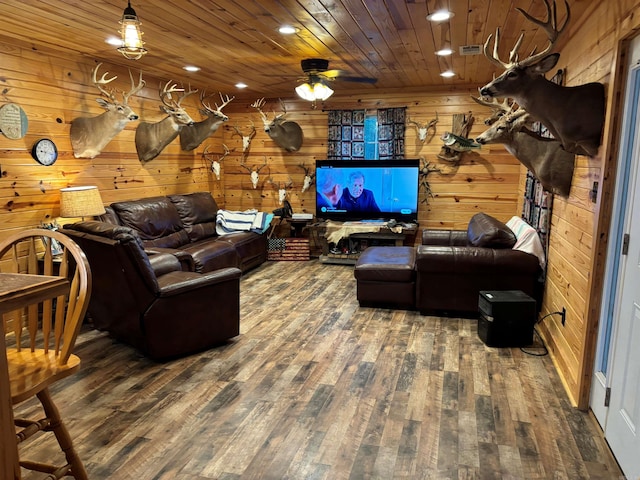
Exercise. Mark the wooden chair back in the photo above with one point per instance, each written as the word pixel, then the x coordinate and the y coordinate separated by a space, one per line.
pixel 52 327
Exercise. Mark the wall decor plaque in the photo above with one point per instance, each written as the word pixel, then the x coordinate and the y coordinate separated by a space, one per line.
pixel 13 121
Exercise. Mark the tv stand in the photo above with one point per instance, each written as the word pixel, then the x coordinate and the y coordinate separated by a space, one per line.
pixel 357 236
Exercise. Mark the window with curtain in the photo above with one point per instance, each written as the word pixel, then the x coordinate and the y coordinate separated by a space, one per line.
pixel 358 134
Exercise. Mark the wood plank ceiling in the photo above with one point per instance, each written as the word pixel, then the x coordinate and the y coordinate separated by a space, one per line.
pixel 233 41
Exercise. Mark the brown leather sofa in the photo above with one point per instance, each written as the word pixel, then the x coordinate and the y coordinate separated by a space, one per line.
pixel 149 301
pixel 185 225
pixel 453 266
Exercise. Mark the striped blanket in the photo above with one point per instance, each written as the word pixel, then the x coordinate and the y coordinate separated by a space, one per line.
pixel 228 221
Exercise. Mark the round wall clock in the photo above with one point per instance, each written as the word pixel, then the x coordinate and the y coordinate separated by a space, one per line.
pixel 45 151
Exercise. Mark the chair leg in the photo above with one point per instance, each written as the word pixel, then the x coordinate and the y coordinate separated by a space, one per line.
pixel 62 435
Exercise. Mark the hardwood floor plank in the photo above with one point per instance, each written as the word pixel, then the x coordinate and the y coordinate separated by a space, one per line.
pixel 316 387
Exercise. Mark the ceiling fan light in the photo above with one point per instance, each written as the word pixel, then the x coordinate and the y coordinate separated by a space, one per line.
pixel 132 44
pixel 311 93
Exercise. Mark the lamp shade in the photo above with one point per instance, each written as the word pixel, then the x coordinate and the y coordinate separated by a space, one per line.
pixel 80 202
pixel 313 92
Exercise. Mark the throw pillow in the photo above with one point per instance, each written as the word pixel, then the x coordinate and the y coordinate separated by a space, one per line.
pixel 489 232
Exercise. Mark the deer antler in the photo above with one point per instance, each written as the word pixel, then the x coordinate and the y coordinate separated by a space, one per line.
pixel 218 109
pixel 549 26
pixel 167 91
pixel 258 104
pixel 134 88
pixel 498 108
pixel 104 81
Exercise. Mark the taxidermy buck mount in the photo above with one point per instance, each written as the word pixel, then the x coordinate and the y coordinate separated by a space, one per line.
pixel 423 128
pixel 544 157
pixel 216 164
pixel 573 115
pixel 254 172
pixel 152 138
pixel 191 136
pixel 282 188
pixel 286 134
pixel 246 139
pixel 89 135
pixel 308 177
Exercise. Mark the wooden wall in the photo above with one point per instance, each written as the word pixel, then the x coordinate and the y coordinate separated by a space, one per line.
pixel 53 88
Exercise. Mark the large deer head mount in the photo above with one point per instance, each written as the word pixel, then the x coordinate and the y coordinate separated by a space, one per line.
pixel 286 134
pixel 191 136
pixel 152 138
pixel 574 115
pixel 544 157
pixel 89 135
pixel 308 177
pixel 216 163
pixel 246 137
pixel 254 172
pixel 423 128
pixel 282 188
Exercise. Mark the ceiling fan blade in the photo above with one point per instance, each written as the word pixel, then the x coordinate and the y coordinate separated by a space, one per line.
pixel 357 79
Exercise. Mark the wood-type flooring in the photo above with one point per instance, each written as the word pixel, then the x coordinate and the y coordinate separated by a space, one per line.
pixel 316 387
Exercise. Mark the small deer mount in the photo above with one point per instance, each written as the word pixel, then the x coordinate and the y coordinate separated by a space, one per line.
pixel 286 134
pixel 308 177
pixel 424 128
pixel 246 137
pixel 282 188
pixel 456 142
pixel 254 172
pixel 216 163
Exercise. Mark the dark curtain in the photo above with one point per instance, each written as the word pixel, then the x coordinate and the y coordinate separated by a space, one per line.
pixel 346 135
pixel 391 122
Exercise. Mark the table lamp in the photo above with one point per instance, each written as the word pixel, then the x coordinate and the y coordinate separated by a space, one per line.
pixel 80 202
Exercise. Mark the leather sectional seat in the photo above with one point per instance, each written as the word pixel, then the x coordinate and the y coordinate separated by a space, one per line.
pixel 446 273
pixel 164 281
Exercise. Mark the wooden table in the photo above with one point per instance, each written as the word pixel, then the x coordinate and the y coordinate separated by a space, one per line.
pixel 18 290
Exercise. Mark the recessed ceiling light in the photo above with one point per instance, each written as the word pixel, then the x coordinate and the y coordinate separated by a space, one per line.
pixel 448 73
pixel 287 29
pixel 440 16
pixel 443 52
pixel 241 85
pixel 191 68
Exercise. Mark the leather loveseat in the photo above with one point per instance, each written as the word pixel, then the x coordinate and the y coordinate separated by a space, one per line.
pixel 453 266
pixel 149 301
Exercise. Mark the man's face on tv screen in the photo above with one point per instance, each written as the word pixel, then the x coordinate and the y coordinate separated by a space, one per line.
pixel 356 187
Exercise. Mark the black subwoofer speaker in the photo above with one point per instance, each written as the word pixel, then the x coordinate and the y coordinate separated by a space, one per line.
pixel 507 318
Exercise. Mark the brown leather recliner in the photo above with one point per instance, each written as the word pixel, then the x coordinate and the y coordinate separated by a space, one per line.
pixel 453 266
pixel 149 301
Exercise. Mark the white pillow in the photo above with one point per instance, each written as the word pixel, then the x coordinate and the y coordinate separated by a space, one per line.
pixel 527 239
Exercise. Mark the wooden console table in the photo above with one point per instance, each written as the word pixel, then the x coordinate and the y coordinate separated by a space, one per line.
pixel 353 237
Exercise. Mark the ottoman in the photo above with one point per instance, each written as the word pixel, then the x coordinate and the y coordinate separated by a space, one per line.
pixel 385 276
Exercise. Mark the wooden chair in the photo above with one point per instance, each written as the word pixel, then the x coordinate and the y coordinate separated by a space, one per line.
pixel 50 330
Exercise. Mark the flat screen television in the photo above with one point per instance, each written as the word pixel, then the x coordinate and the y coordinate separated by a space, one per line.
pixel 377 190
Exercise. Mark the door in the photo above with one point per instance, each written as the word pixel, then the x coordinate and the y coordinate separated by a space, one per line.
pixel 617 369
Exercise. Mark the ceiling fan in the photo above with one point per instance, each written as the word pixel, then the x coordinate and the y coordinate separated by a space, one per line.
pixel 317 77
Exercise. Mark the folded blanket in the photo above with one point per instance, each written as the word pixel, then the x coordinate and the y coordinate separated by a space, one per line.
pixel 228 221
pixel 527 239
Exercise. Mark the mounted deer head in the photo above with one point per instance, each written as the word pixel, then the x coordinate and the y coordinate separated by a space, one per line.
pixel 215 163
pixel 89 135
pixel 308 177
pixel 152 138
pixel 191 136
pixel 286 134
pixel 254 172
pixel 574 115
pixel 246 138
pixel 423 128
pixel 544 157
pixel 282 188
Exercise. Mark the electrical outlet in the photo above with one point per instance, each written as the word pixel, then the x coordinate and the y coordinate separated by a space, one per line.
pixel 564 315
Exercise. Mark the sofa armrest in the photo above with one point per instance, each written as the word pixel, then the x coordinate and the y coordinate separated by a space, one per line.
pixel 163 263
pixel 444 237
pixel 437 258
pixel 176 283
pixel 186 260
